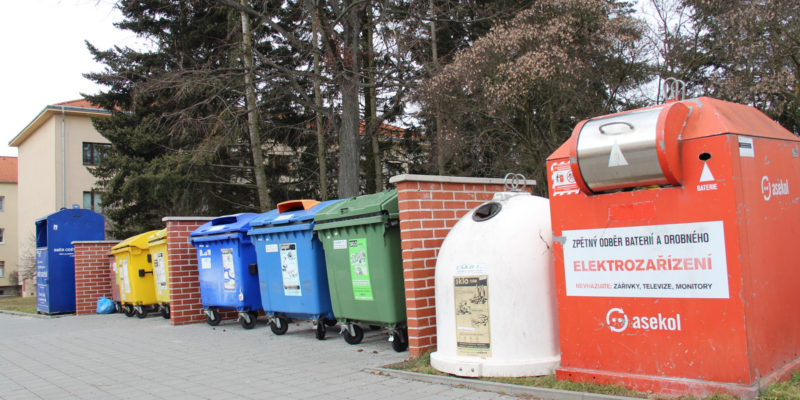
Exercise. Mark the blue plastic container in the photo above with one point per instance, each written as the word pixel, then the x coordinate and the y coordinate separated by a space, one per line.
pixel 227 268
pixel 291 266
pixel 55 256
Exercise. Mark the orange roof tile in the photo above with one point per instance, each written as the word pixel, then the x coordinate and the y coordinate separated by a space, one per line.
pixel 8 169
pixel 72 107
pixel 81 103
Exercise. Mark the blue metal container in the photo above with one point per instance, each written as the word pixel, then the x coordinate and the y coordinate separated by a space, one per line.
pixel 228 270
pixel 55 256
pixel 291 266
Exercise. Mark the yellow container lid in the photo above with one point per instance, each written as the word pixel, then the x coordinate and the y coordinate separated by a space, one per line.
pixel 157 238
pixel 139 242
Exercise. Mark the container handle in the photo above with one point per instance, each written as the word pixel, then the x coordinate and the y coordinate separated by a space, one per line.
pixel 294 205
pixel 616 128
pixel 143 272
pixel 514 182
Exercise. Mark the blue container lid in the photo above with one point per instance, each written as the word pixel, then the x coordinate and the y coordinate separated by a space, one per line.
pixel 291 212
pixel 226 224
pixel 75 211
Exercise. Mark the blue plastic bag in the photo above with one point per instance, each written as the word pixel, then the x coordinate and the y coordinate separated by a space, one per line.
pixel 105 305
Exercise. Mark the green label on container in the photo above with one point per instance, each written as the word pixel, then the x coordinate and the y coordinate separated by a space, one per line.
pixel 359 269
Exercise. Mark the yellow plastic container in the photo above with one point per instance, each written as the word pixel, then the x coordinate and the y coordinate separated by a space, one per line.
pixel 157 246
pixel 135 275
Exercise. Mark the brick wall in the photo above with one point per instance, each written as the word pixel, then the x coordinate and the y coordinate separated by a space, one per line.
pixel 429 207
pixel 92 274
pixel 184 284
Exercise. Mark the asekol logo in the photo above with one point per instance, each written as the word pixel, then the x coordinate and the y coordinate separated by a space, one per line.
pixel 618 321
pixel 770 189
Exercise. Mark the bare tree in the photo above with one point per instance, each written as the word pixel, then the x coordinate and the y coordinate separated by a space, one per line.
pixel 264 199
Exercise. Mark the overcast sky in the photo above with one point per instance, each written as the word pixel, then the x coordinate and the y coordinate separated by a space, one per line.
pixel 44 55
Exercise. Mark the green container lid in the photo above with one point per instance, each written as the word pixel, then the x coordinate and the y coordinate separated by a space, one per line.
pixel 361 206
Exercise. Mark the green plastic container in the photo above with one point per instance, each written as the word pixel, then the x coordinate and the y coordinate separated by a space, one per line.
pixel 361 239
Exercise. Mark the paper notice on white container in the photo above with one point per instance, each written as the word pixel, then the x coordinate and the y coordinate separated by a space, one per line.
pixel 470 269
pixel 669 261
pixel 471 299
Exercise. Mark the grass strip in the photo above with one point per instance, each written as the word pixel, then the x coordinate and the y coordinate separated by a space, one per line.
pixel 18 304
pixel 787 390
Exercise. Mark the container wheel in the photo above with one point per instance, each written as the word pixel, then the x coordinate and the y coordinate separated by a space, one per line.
pixel 213 319
pixel 117 307
pixel 359 335
pixel 248 319
pixel 141 312
pixel 128 310
pixel 400 342
pixel 164 311
pixel 320 333
pixel 330 322
pixel 284 325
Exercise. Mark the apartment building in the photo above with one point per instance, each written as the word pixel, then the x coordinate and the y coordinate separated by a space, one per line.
pixel 55 151
pixel 9 284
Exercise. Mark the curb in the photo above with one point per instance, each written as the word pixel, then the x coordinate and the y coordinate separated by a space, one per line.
pixel 42 316
pixel 501 388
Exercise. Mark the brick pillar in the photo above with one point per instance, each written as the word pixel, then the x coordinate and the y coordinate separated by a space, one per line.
pixel 92 274
pixel 429 207
pixel 184 284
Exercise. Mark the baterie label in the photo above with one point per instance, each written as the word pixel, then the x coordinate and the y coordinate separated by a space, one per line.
pixel 671 261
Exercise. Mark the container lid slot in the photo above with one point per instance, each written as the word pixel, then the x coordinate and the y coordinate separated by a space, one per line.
pixel 486 211
pixel 295 205
pixel 228 219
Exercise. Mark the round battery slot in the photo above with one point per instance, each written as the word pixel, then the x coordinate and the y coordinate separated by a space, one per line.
pixel 704 156
pixel 486 212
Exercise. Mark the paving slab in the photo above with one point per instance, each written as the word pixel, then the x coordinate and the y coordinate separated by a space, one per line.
pixel 116 357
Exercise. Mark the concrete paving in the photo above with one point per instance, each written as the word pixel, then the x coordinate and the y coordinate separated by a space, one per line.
pixel 116 357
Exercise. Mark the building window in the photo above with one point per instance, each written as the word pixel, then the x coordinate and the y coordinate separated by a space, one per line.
pixel 2 203
pixel 94 152
pixel 91 201
pixel 2 269
pixel 2 235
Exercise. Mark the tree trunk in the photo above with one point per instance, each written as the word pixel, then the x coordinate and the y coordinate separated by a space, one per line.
pixel 265 203
pixel 370 105
pixel 349 143
pixel 322 159
pixel 437 118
